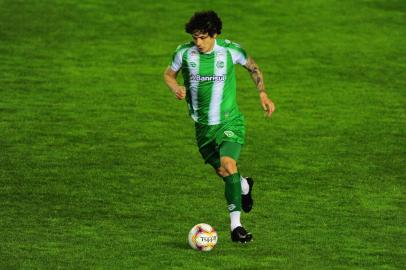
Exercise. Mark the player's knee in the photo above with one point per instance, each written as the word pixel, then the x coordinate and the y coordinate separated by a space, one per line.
pixel 222 172
pixel 229 165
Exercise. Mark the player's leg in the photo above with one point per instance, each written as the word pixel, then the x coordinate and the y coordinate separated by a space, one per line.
pixel 211 155
pixel 234 131
pixel 229 154
pixel 246 183
pixel 232 182
pixel 226 168
pixel 233 150
pixel 246 197
pixel 223 145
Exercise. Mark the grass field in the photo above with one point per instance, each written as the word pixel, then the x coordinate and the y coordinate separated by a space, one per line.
pixel 98 163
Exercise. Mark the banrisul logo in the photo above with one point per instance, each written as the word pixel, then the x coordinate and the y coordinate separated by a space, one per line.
pixel 214 78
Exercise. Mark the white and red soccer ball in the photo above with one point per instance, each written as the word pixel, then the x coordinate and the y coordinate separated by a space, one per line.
pixel 203 237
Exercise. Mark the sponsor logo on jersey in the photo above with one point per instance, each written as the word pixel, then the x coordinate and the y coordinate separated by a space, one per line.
pixel 192 64
pixel 208 78
pixel 229 133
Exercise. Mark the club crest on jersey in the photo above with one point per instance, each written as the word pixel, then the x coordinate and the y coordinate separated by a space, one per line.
pixel 220 64
pixel 208 78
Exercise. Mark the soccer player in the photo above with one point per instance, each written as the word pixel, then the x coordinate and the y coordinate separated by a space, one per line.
pixel 207 65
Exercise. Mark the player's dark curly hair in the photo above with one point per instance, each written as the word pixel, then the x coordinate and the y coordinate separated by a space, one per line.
pixel 204 22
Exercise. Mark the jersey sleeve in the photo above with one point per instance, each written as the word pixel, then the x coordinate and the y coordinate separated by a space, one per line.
pixel 238 54
pixel 177 57
pixel 176 62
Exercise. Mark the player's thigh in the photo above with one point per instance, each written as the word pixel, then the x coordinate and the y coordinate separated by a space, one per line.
pixel 210 154
pixel 230 150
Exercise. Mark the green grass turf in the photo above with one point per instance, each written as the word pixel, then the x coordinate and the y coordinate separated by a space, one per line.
pixel 98 163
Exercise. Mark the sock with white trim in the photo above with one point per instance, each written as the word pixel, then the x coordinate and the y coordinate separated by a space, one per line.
pixel 232 192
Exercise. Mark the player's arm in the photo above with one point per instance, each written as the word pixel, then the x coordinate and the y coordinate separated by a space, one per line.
pixel 170 80
pixel 258 79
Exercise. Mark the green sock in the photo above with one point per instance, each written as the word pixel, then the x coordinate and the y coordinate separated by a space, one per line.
pixel 233 192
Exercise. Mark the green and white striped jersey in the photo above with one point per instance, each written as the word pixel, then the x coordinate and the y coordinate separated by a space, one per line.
pixel 209 79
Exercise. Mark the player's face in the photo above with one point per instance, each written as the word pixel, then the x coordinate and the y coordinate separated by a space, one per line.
pixel 203 41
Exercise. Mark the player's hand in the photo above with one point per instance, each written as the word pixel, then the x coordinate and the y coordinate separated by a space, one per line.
pixel 267 104
pixel 180 92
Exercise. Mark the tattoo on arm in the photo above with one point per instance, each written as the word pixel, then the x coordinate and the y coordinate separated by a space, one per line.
pixel 256 74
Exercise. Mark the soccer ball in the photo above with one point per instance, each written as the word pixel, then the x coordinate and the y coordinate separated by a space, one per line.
pixel 202 237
